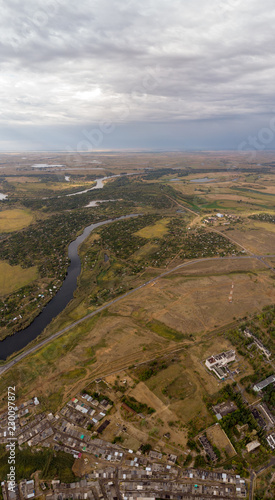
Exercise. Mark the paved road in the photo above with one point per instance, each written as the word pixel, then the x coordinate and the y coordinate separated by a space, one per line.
pixel 251 488
pixel 21 356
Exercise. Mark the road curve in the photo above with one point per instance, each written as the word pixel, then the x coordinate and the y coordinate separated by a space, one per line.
pixel 21 356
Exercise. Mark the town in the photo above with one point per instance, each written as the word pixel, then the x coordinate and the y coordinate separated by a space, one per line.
pixel 110 471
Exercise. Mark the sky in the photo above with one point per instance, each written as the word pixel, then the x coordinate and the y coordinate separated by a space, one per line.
pixel 152 74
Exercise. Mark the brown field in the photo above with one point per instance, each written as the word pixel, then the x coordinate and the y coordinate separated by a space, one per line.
pixel 153 428
pixel 122 337
pixel 196 304
pixel 270 228
pixel 257 237
pixel 185 383
pixel 233 197
pixel 216 267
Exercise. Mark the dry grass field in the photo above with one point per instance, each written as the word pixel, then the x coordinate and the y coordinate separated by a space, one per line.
pixel 155 230
pixel 134 330
pixel 193 305
pixel 14 277
pixel 181 388
pixel 15 219
pixel 258 237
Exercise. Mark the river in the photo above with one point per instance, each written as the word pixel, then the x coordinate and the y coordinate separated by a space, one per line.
pixel 21 339
pixel 99 185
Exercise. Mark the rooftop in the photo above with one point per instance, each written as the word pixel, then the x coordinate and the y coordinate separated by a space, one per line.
pixel 264 383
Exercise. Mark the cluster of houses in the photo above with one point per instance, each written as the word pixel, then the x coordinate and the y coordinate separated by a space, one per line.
pixel 158 480
pixel 136 490
pixel 23 491
pixel 127 473
pixel 95 410
pixel 225 218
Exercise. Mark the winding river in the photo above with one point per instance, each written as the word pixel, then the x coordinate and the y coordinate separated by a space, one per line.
pixel 99 185
pixel 21 339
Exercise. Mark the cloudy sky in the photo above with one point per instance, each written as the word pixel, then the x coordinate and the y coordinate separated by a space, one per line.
pixel 167 74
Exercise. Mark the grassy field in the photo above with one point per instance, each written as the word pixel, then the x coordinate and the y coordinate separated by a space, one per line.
pixel 164 330
pixel 14 220
pixel 265 225
pixel 155 230
pixel 14 277
pixel 38 187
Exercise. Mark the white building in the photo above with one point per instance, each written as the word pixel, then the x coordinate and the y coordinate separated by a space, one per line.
pixel 218 362
pixel 271 440
pixel 253 445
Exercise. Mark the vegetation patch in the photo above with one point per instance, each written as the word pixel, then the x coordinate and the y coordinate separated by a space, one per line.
pixel 137 406
pixel 147 371
pixel 263 217
pixel 180 388
pixel 165 331
pixel 73 375
pixel 52 465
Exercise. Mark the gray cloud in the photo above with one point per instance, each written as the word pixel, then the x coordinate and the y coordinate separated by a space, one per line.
pixel 68 64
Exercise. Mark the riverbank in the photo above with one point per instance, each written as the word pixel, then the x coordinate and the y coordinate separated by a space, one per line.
pixel 57 304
